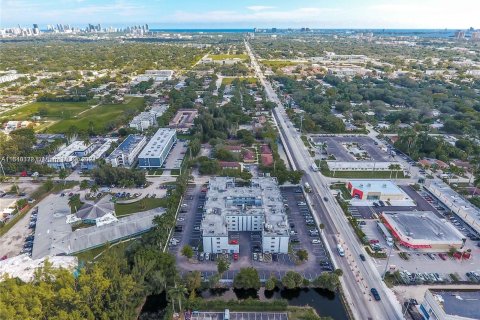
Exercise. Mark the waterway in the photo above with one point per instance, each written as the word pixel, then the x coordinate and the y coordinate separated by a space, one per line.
pixel 326 303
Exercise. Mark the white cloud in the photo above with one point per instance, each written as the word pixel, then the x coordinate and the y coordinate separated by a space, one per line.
pixel 259 8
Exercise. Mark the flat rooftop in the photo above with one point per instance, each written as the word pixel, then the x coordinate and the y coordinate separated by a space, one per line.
pixel 100 151
pixel 422 225
pixel 261 198
pixel 461 303
pixel 156 146
pixel 65 153
pixel 128 144
pixel 455 201
pixel 383 186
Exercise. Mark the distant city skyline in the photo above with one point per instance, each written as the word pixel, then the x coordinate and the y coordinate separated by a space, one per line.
pixel 379 14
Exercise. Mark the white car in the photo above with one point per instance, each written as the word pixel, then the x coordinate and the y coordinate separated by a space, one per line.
pixel 181 219
pixel 316 241
pixel 196 228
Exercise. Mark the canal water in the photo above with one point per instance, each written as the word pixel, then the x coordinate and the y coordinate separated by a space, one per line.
pixel 326 303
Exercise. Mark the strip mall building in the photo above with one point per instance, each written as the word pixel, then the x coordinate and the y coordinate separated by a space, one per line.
pixel 422 230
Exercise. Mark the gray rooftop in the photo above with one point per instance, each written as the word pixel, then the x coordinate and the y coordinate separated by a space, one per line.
pixel 458 204
pixel 461 303
pixel 158 143
pixel 92 210
pixel 224 198
pixel 54 236
pixel 423 225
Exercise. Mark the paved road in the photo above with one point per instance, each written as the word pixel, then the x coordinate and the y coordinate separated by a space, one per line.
pixel 358 277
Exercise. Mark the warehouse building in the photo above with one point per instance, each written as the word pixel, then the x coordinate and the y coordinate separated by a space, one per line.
pixel 126 153
pixel 465 210
pixel 257 207
pixel 384 190
pixel 69 157
pixel 444 304
pixel 422 230
pixel 157 149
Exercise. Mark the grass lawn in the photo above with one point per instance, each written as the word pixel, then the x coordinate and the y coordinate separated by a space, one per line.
pixel 53 110
pixel 364 174
pixel 343 189
pixel 229 80
pixel 228 56
pixel 141 205
pixel 98 117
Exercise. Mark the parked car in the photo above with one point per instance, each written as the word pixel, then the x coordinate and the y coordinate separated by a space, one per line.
pixel 362 257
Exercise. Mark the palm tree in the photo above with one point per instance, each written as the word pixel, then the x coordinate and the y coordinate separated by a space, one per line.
pixel 397 167
pixel 391 167
pixel 62 174
pixel 177 293
pixel 72 203
pixel 94 188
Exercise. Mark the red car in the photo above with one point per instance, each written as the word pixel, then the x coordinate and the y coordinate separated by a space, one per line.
pixel 373 241
pixel 235 256
pixel 233 242
pixel 4 258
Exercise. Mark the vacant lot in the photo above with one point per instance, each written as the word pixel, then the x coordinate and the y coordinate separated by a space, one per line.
pixel 101 118
pixel 229 80
pixel 49 110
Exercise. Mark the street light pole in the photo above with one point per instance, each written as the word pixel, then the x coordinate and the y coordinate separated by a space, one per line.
pixel 386 264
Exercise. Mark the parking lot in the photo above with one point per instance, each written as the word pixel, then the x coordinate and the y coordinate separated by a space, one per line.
pixel 334 146
pixel 306 236
pixel 420 265
pixel 175 157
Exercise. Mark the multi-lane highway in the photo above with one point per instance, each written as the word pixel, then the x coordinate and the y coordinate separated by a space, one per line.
pixel 359 277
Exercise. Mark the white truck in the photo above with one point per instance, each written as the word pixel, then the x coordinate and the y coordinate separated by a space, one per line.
pixel 314 167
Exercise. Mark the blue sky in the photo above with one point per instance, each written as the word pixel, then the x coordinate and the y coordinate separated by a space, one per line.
pixel 246 14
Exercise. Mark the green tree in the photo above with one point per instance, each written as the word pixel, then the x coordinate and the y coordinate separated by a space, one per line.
pixel 94 188
pixel 247 278
pixel 222 265
pixel 187 251
pixel 327 280
pixel 292 280
pixel 271 283
pixel 302 255
pixel 177 293
pixel 83 184
pixel 193 280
